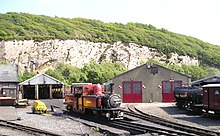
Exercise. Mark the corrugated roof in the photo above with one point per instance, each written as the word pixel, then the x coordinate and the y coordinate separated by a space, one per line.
pixel 8 73
pixel 211 79
pixel 41 79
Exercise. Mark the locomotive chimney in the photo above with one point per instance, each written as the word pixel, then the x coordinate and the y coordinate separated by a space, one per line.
pixel 111 87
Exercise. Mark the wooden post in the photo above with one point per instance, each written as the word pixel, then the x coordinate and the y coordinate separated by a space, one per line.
pixel 36 92
pixel 63 90
pixel 22 91
pixel 51 96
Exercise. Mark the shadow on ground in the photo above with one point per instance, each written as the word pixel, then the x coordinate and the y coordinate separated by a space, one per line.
pixel 185 115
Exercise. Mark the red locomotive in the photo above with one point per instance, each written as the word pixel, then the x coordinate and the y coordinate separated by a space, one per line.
pixel 94 98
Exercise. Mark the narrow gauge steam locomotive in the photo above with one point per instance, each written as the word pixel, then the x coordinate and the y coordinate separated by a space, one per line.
pixel 189 98
pixel 199 100
pixel 94 98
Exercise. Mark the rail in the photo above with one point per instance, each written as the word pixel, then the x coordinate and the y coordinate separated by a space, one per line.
pixel 181 127
pixel 27 129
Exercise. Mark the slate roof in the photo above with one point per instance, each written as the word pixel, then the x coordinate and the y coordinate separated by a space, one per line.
pixel 8 73
pixel 150 64
pixel 41 79
pixel 207 80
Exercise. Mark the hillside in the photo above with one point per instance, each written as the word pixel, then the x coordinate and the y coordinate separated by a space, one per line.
pixel 22 26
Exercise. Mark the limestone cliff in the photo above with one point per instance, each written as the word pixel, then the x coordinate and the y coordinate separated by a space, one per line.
pixel 39 56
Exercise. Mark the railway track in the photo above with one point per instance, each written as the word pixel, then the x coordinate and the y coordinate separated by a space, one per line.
pixel 27 129
pixel 131 126
pixel 150 129
pixel 177 126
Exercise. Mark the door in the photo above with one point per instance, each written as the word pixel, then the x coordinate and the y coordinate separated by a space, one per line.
pixel 132 91
pixel 214 98
pixel 168 89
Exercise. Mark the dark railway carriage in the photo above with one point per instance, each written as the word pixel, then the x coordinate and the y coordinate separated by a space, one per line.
pixel 211 98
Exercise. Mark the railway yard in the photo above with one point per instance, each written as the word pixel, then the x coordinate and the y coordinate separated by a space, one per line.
pixel 59 122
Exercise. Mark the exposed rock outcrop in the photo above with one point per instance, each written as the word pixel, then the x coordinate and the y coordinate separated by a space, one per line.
pixel 39 56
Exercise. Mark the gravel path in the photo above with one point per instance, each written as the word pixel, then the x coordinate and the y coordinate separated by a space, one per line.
pixel 56 123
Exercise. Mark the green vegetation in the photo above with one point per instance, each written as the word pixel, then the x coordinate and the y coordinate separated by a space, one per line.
pixel 23 26
pixel 25 75
pixel 3 62
pixel 91 73
pixel 103 72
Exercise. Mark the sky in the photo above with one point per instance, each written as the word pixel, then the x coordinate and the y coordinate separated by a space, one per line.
pixel 196 18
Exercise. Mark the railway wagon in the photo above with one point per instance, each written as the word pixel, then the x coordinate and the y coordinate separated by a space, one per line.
pixel 95 99
pixel 211 98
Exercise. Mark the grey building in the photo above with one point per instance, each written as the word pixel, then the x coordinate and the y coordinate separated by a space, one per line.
pixel 42 86
pixel 8 80
pixel 148 83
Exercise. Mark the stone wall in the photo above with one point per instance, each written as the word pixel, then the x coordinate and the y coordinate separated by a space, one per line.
pixel 39 56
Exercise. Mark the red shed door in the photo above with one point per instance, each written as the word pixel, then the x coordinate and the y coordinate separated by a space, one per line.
pixel 168 88
pixel 132 91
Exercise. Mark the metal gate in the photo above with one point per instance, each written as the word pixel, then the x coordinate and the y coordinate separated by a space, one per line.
pixel 132 91
pixel 168 89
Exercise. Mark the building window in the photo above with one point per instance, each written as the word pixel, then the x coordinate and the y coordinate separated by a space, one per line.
pixel 216 92
pixel 137 87
pixel 154 70
pixel 166 87
pixel 4 72
pixel 127 88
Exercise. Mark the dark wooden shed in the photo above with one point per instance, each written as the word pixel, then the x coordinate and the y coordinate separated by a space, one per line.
pixel 149 83
pixel 42 86
pixel 8 80
pixel 8 84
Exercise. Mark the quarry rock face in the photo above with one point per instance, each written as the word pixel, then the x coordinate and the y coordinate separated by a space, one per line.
pixel 40 56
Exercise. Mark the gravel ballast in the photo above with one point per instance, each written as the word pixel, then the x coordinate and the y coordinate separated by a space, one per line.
pixel 64 126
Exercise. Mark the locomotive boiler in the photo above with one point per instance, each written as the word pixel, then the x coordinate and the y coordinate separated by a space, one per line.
pixel 94 98
pixel 189 97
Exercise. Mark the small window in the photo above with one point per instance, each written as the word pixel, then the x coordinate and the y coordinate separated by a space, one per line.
pixel 154 70
pixel 4 72
pixel 216 92
pixel 127 88
pixel 166 87
pixel 77 90
pixel 137 88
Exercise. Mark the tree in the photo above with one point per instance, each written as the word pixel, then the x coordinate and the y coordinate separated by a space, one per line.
pixel 55 74
pixel 25 75
pixel 100 73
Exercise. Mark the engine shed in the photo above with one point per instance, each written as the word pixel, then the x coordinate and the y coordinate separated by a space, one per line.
pixel 42 86
pixel 149 83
